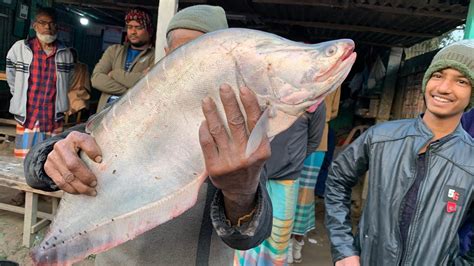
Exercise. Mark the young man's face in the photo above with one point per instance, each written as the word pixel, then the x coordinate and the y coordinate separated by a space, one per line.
pixel 448 93
pixel 137 34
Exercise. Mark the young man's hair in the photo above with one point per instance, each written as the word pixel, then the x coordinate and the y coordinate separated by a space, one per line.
pixel 46 11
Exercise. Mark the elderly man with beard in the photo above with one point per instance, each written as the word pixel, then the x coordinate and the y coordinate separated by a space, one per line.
pixel 122 66
pixel 39 71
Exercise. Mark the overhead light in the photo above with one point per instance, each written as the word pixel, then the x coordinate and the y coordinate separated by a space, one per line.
pixel 84 21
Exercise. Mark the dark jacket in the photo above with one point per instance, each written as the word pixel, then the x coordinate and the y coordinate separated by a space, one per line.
pixel 186 240
pixel 389 151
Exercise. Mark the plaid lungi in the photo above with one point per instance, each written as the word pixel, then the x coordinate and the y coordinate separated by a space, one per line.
pixel 273 250
pixel 305 220
pixel 27 138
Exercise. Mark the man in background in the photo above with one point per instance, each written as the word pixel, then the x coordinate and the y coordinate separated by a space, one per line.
pixel 122 66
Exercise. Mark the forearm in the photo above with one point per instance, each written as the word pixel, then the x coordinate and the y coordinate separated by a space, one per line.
pixel 104 83
pixel 251 233
pixel 126 79
pixel 36 157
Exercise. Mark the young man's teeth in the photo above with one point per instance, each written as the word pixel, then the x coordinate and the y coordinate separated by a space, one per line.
pixel 441 99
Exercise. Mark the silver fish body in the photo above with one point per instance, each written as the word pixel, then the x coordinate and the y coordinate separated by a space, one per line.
pixel 152 165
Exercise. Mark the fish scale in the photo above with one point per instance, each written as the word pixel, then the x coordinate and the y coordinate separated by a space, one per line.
pixel 152 165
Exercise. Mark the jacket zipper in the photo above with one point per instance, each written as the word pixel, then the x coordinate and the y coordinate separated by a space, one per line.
pixel 410 236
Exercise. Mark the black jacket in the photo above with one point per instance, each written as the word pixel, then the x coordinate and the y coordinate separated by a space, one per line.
pixel 389 151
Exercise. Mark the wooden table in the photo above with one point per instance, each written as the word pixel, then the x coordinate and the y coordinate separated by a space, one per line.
pixel 11 176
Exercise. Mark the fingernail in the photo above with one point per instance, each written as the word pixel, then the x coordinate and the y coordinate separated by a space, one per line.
pixel 94 193
pixel 93 183
pixel 98 159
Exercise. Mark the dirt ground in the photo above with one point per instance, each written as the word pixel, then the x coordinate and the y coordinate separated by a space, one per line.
pixel 315 252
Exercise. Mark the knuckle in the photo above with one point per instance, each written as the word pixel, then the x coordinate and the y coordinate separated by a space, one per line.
pixel 236 120
pixel 72 164
pixel 216 130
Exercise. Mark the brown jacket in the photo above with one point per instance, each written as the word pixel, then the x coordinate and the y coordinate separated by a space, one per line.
pixel 119 80
pixel 332 108
pixel 80 88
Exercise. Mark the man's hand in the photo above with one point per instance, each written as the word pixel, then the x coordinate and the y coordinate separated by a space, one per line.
pixel 349 261
pixel 229 170
pixel 66 168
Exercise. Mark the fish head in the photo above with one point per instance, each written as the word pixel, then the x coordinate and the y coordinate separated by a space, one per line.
pixel 301 75
pixel 294 77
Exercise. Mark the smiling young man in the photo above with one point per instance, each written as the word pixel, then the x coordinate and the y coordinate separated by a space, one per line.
pixel 421 177
pixel 122 66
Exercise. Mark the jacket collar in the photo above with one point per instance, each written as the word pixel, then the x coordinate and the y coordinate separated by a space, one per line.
pixel 59 45
pixel 422 129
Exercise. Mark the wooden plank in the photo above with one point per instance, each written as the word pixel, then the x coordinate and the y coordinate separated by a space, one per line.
pixel 39 225
pixel 31 207
pixel 389 85
pixel 345 27
pixel 21 210
pixel 10 122
pixel 3 76
pixel 11 175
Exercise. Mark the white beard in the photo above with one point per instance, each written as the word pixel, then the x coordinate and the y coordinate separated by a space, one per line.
pixel 45 38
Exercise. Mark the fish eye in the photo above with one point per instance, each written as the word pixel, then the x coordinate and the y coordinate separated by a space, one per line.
pixel 331 50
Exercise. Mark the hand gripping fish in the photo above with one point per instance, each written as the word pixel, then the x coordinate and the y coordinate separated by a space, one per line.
pixel 152 165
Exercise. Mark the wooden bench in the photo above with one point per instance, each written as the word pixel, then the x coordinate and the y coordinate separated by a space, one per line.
pixel 11 176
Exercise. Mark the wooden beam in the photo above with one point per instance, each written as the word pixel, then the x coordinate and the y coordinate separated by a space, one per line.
pixel 166 11
pixel 345 27
pixel 370 7
pixel 389 85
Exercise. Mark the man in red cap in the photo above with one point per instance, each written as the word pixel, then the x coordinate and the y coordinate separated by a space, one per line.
pixel 122 66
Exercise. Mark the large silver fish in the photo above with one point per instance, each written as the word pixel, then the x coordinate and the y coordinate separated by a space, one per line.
pixel 152 165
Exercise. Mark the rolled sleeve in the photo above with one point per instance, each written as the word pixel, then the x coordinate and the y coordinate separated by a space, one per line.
pixel 249 234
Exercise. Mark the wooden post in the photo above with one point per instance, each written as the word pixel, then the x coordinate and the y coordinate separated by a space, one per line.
pixel 31 207
pixel 469 31
pixel 389 85
pixel 166 11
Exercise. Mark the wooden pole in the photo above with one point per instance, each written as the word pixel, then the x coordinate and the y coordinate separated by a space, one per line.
pixel 389 85
pixel 166 11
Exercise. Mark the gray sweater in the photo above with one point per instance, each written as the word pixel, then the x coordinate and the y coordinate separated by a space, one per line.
pixel 292 146
pixel 197 237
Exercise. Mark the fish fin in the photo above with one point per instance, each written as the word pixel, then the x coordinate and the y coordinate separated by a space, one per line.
pixel 96 120
pixel 279 123
pixel 257 133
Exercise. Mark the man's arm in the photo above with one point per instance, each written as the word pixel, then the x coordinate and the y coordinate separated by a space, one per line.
pixel 49 164
pixel 126 79
pixel 344 173
pixel 11 69
pixel 100 76
pixel 241 211
pixel 317 121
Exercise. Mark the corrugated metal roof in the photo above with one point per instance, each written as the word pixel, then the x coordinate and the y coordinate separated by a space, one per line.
pixel 384 23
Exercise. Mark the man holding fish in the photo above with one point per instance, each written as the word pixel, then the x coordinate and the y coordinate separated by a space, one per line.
pixel 245 206
pixel 150 166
